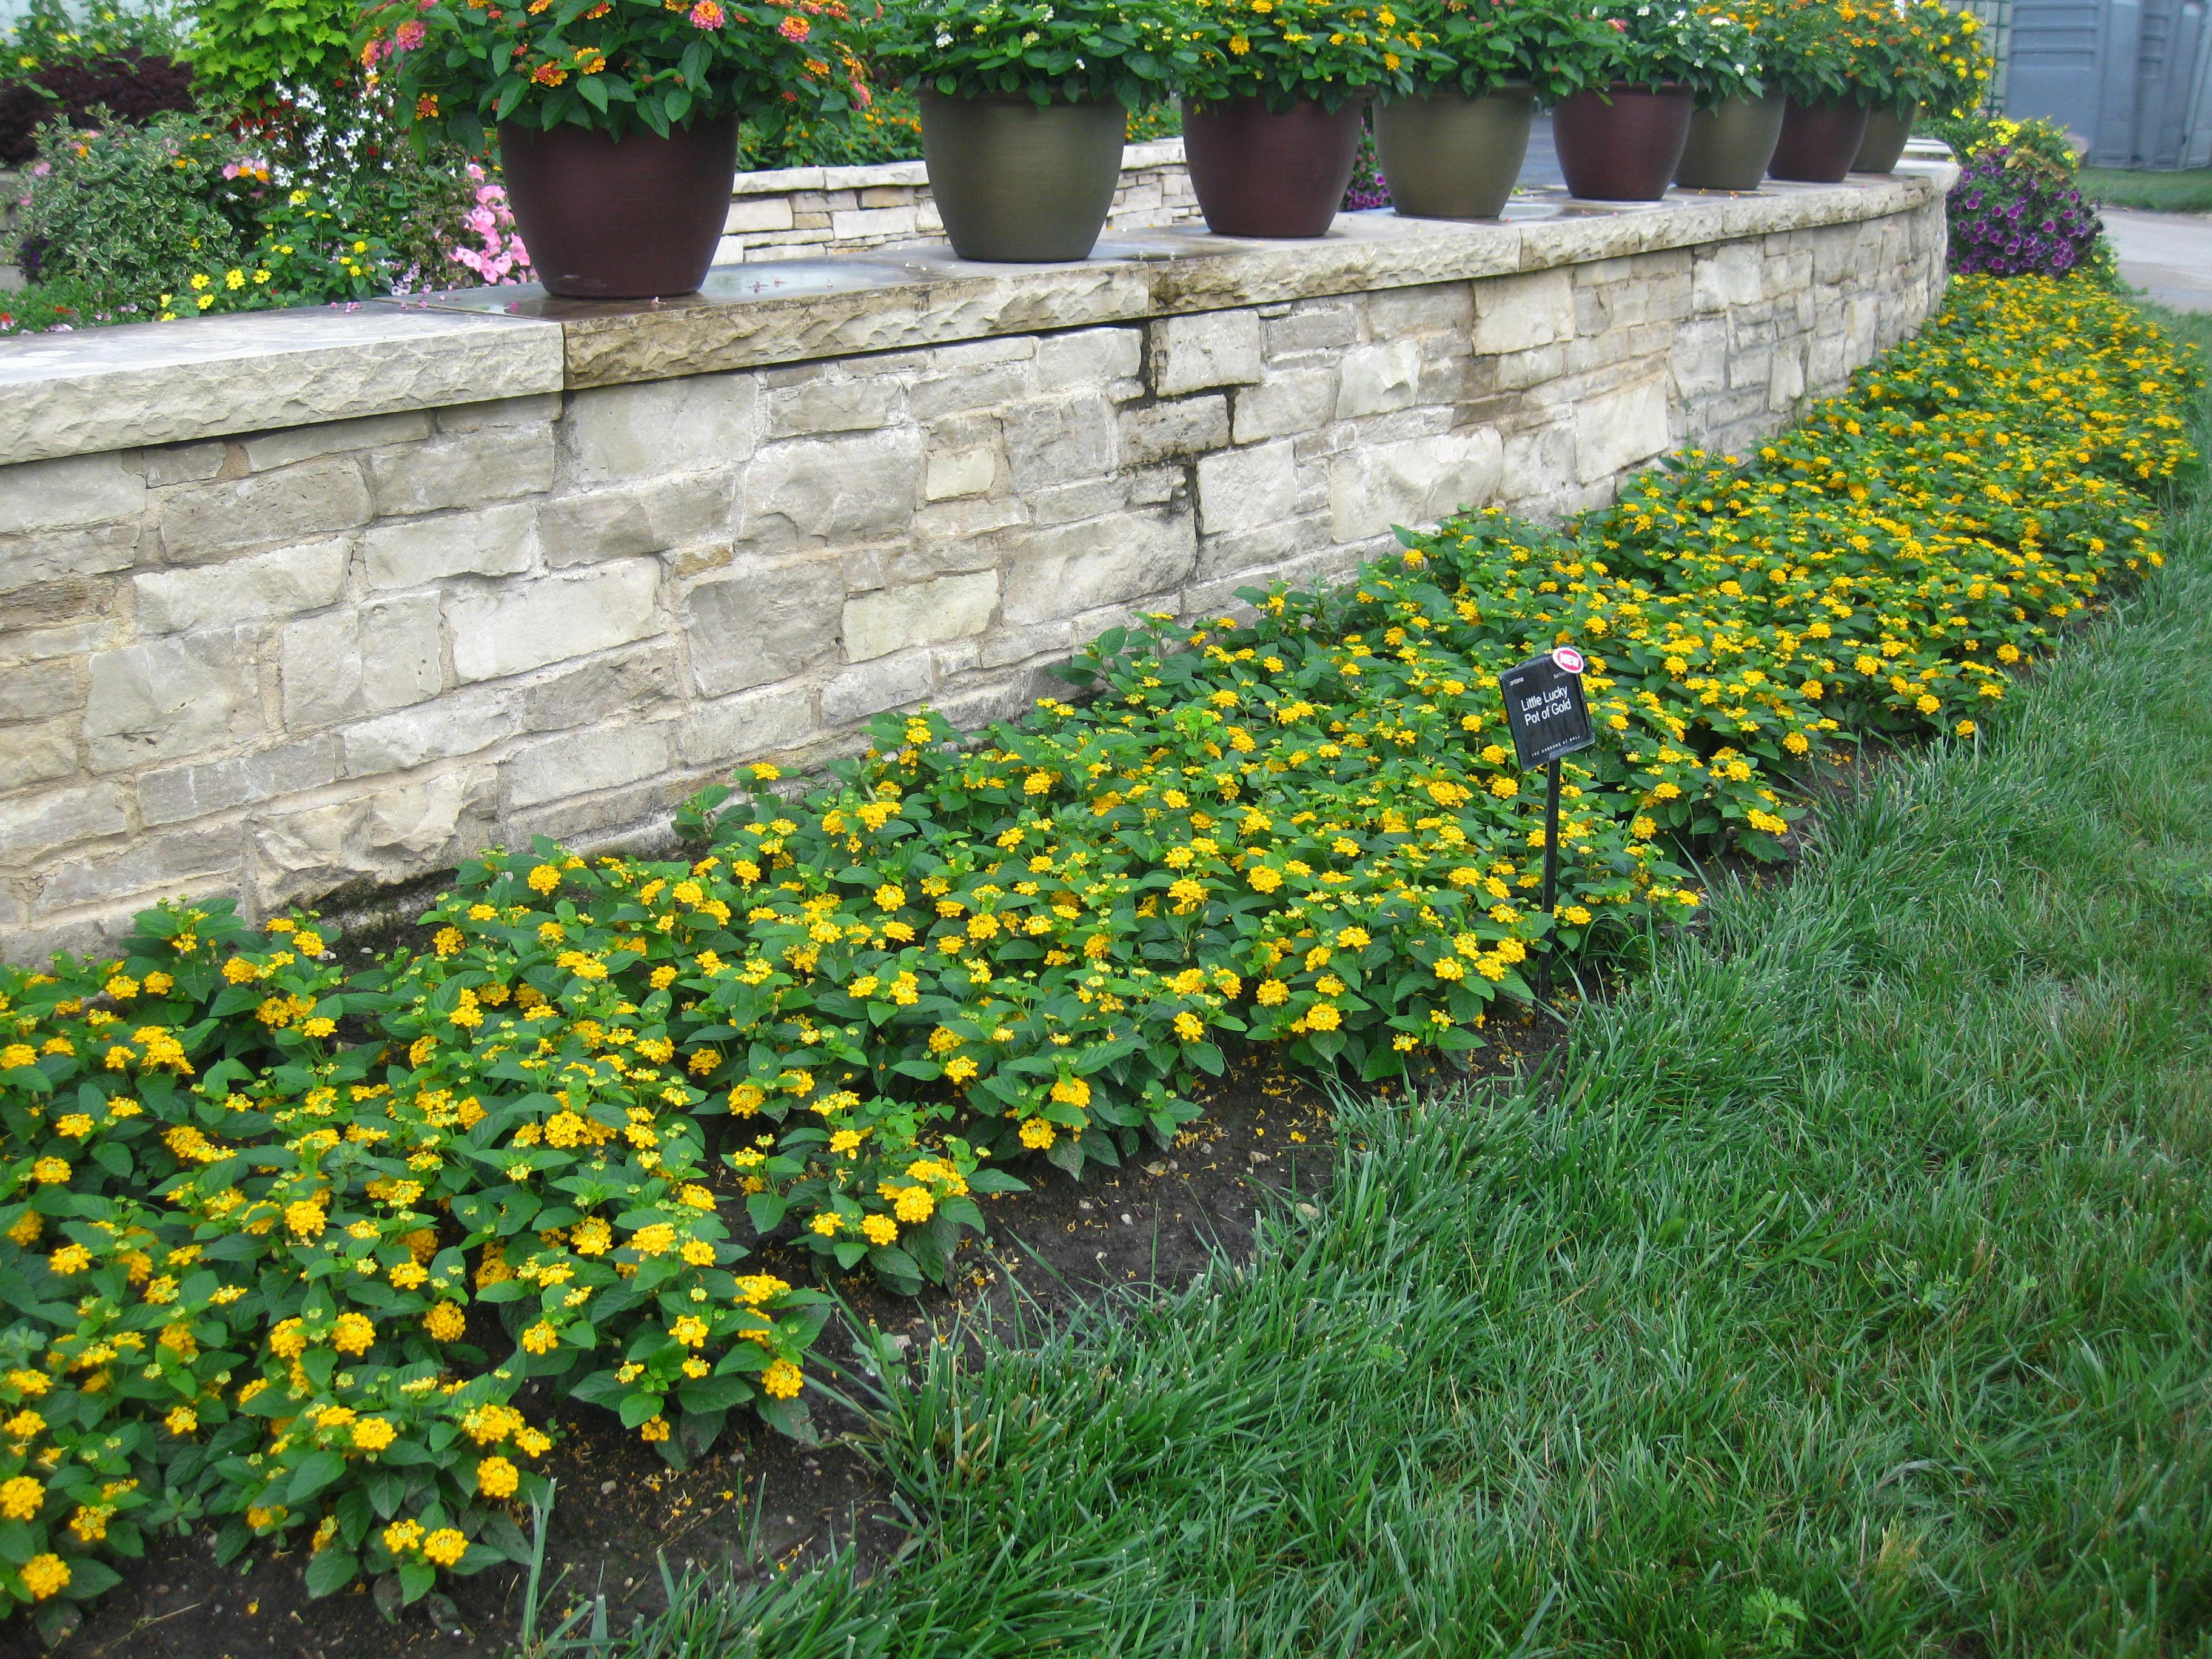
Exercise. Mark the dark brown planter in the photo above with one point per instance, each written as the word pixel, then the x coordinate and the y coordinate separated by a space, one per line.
pixel 630 218
pixel 1257 174
pixel 1886 135
pixel 1625 149
pixel 1819 142
pixel 1019 183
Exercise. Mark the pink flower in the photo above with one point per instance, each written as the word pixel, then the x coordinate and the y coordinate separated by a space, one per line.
pixel 409 35
pixel 795 28
pixel 707 14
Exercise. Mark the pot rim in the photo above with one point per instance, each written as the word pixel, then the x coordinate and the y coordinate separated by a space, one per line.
pixel 931 95
pixel 1360 98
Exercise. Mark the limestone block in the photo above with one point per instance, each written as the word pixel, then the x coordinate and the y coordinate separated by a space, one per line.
pixel 1539 464
pixel 615 686
pixel 1286 402
pixel 732 729
pixel 533 409
pixel 277 584
pixel 1786 384
pixel 757 213
pixel 657 427
pixel 1312 325
pixel 1521 312
pixel 178 794
pixel 820 405
pixel 514 629
pixel 651 516
pixel 26 692
pixel 1701 357
pixel 201 521
pixel 37 754
pixel 1728 274
pixel 170 698
pixel 360 660
pixel 271 450
pixel 1619 430
pixel 1377 378
pixel 443 728
pixel 872 687
pixel 466 469
pixel 957 472
pixel 1053 440
pixel 1189 426
pixel 1264 549
pixel 55 556
pixel 768 623
pixel 1430 308
pixel 1213 349
pixel 823 489
pixel 399 830
pixel 57 819
pixel 924 613
pixel 59 495
pixel 586 762
pixel 1415 481
pixel 167 862
pixel 872 224
pixel 1071 568
pixel 1241 489
pixel 1088 357
pixel 492 541
pixel 171 464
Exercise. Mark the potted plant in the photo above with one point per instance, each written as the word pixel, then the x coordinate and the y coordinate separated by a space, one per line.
pixel 1620 132
pixel 617 119
pixel 1025 105
pixel 1828 58
pixel 1944 69
pixel 1453 148
pixel 1272 93
pixel 1737 120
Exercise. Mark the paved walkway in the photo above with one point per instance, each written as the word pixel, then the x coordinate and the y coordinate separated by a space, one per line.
pixel 2169 254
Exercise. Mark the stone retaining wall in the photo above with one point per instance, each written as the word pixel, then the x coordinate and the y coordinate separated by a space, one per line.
pixel 303 601
pixel 796 213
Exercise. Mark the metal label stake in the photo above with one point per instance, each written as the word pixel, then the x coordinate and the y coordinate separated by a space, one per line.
pixel 1548 718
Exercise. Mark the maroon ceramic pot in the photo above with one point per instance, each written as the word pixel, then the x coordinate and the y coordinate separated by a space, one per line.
pixel 1625 149
pixel 1819 142
pixel 629 218
pixel 1258 173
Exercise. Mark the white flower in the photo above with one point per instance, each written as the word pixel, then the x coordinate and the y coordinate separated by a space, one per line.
pixel 944 40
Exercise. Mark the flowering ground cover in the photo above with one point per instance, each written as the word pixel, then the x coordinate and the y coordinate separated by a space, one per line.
pixel 1838 1291
pixel 285 1241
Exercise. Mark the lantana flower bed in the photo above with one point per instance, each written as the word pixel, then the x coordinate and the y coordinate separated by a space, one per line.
pixel 282 1241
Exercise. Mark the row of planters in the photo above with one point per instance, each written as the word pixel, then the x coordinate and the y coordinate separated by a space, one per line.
pixel 290 1246
pixel 617 117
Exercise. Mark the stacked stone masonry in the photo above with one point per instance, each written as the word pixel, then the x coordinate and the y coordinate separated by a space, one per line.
pixel 798 213
pixel 288 656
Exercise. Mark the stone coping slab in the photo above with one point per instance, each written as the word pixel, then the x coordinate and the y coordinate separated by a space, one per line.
pixel 161 383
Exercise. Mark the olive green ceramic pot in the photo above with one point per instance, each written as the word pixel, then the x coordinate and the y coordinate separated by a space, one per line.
pixel 1887 131
pixel 1446 156
pixel 1731 143
pixel 1019 183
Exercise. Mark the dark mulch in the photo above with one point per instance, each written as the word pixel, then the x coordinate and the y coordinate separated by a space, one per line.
pixel 763 1504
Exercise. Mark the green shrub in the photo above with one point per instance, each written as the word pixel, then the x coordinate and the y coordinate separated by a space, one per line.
pixel 247 52
pixel 130 213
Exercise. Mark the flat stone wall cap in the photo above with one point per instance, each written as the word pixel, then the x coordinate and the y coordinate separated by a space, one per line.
pixel 159 383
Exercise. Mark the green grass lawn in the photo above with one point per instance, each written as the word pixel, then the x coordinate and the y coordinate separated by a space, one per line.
pixel 2161 192
pixel 1844 1291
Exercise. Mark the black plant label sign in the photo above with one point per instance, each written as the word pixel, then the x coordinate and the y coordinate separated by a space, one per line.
pixel 1544 706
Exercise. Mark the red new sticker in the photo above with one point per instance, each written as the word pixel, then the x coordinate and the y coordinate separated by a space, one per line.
pixel 1568 660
